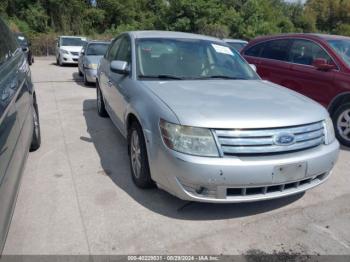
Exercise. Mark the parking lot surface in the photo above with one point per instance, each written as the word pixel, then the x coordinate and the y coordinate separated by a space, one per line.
pixel 77 196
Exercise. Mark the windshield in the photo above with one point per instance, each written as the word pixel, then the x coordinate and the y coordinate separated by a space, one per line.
pixel 342 48
pixel 190 59
pixel 237 46
pixel 97 49
pixel 70 41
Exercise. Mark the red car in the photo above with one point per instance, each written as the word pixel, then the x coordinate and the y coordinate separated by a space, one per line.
pixel 315 65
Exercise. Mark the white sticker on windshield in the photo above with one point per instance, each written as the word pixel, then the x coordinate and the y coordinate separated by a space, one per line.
pixel 222 49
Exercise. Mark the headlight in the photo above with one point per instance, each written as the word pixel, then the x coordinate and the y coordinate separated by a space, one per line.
pixel 65 52
pixel 188 140
pixel 329 131
pixel 91 66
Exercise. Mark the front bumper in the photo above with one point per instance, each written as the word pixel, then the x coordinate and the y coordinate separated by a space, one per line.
pixel 239 179
pixel 90 75
pixel 69 59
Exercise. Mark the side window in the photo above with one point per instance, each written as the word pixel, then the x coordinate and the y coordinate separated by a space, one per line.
pixel 305 52
pixel 276 49
pixel 124 52
pixel 8 44
pixel 113 49
pixel 255 50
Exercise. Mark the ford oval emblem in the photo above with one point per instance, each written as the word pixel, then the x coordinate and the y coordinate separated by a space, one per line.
pixel 284 139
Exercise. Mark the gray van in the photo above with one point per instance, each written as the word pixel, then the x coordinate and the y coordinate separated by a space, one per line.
pixel 19 123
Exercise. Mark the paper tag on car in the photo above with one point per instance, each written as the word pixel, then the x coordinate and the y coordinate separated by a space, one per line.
pixel 222 49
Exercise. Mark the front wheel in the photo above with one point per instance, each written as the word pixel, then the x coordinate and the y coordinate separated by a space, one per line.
pixel 138 157
pixel 341 120
pixel 36 138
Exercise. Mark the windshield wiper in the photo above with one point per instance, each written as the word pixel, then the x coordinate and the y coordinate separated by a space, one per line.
pixel 162 77
pixel 222 77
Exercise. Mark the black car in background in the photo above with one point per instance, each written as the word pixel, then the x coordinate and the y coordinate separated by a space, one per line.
pixel 26 46
pixel 19 123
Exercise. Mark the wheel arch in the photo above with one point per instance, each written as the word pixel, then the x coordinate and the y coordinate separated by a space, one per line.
pixel 339 100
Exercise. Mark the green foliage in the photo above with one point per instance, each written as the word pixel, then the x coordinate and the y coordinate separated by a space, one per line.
pixel 221 18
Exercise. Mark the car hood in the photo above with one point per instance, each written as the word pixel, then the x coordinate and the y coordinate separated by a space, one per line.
pixel 236 103
pixel 71 48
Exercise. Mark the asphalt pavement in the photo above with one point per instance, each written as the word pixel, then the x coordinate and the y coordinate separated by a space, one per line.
pixel 77 196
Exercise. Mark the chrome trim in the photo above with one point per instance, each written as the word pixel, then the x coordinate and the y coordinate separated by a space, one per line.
pixel 261 141
pixel 268 132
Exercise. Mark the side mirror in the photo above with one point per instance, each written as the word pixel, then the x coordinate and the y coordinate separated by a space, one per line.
pixel 82 52
pixel 25 49
pixel 321 64
pixel 253 67
pixel 120 67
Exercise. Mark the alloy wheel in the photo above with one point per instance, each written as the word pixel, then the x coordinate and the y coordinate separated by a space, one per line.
pixel 36 123
pixel 135 154
pixel 343 125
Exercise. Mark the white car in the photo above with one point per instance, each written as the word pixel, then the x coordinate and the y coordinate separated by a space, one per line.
pixel 68 49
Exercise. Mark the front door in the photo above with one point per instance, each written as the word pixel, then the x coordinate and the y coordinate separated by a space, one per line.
pixel 304 77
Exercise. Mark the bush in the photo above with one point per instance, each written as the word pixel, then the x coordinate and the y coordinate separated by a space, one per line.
pixel 43 44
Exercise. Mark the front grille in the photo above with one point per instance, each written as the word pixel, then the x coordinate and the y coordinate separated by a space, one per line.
pixel 74 53
pixel 253 191
pixel 262 141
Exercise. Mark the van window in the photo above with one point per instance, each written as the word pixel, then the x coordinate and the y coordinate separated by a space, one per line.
pixel 276 49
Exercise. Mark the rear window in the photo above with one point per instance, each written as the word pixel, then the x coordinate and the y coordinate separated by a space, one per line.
pixel 98 49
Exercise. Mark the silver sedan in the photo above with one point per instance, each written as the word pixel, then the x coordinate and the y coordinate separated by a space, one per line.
pixel 89 59
pixel 202 125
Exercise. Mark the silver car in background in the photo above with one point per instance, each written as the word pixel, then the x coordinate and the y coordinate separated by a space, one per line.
pixel 237 44
pixel 202 125
pixel 89 59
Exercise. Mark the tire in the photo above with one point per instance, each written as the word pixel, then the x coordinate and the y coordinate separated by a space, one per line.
pixel 60 61
pixel 86 82
pixel 341 120
pixel 36 139
pixel 101 109
pixel 80 73
pixel 138 159
pixel 57 61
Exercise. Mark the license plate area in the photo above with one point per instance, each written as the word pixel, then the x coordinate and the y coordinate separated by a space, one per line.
pixel 289 173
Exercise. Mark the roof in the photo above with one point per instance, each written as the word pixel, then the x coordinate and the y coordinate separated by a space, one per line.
pixel 170 34
pixel 71 36
pixel 234 40
pixel 98 42
pixel 306 35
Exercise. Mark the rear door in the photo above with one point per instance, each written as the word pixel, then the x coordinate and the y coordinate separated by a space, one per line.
pixel 273 64
pixel 119 82
pixel 305 78
pixel 105 71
